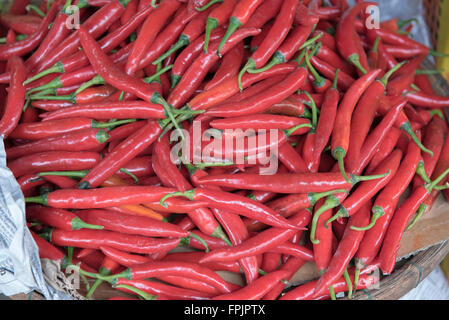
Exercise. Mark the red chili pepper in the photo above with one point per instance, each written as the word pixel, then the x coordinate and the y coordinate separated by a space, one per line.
pixel 240 15
pixel 265 12
pixel 53 161
pixel 58 218
pixel 129 224
pixel 342 128
pixel 257 289
pixel 22 47
pixel 86 238
pixel 135 109
pixel 81 140
pixel 385 149
pixel 278 32
pixel 396 228
pixel 305 17
pixel 347 39
pixel 15 99
pixel 61 181
pixel 101 197
pixel 430 101
pixel 260 242
pixel 46 249
pixel 162 290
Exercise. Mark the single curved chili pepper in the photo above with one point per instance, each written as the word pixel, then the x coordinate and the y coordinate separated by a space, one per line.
pixel 278 32
pixel 347 38
pixel 15 99
pixel 136 109
pixel 190 33
pixel 238 18
pixel 124 258
pixel 150 28
pixel 433 139
pixel 198 70
pixel 129 224
pixel 46 249
pixel 294 250
pixel 230 87
pixel 237 204
pixel 258 121
pixel 423 100
pixel 260 242
pixel 161 289
pixel 289 107
pixel 53 161
pixel 257 289
pixel 229 66
pixel 195 256
pixel 394 38
pixel 367 190
pixel 58 218
pixel 398 224
pixel 341 134
pixel 45 129
pixel 24 46
pixel 101 197
pixel 287 183
pixel 86 238
pixel 81 140
pixel 344 82
pixel 217 18
pixel 166 268
pixel 325 123
pixel 347 248
pixel 260 102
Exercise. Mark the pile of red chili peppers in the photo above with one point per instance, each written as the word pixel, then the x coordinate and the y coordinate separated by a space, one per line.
pixel 88 114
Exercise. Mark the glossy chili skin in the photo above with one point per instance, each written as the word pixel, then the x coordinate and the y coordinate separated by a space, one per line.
pixel 262 101
pixel 258 121
pixel 129 224
pixel 57 218
pixel 134 109
pixel 22 47
pixel 15 99
pixel 347 247
pixel 163 290
pixel 93 239
pixel 125 151
pixel 54 161
pixel 260 242
pixel 385 204
pixel 81 140
pixel 423 100
pixel 385 149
